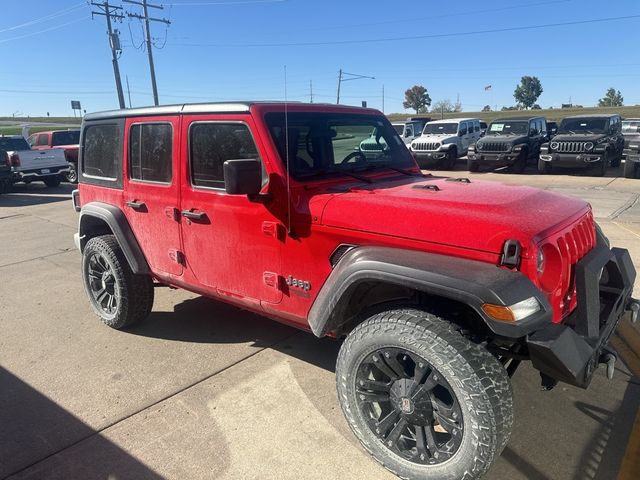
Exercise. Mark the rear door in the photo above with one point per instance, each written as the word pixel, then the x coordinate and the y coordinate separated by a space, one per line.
pixel 151 186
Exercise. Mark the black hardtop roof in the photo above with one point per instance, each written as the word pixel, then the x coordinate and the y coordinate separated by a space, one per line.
pixel 211 107
pixel 594 115
pixel 518 119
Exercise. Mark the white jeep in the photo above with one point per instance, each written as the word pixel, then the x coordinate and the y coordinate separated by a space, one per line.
pixel 443 141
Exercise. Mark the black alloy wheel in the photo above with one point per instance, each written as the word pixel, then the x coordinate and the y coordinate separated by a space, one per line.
pixel 103 284
pixel 409 406
pixel 72 174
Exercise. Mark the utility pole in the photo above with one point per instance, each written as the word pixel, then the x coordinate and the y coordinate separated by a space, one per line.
pixel 145 6
pixel 128 90
pixel 110 12
pixel 383 98
pixel 311 90
pixel 352 76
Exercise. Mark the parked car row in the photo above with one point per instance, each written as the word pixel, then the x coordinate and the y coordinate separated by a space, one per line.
pixel 596 142
pixel 50 157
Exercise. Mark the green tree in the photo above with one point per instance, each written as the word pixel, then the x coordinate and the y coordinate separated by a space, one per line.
pixel 417 98
pixel 486 108
pixel 612 98
pixel 528 92
pixel 443 106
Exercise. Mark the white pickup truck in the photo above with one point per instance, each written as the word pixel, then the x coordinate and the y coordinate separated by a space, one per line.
pixel 28 165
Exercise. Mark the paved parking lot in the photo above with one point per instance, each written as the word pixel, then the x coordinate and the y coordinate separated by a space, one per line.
pixel 204 390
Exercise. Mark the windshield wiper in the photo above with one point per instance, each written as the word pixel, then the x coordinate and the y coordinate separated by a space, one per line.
pixel 390 167
pixel 348 173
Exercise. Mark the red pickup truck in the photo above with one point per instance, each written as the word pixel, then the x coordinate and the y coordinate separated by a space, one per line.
pixel 67 140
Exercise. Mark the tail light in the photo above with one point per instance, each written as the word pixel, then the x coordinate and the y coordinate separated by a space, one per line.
pixel 14 160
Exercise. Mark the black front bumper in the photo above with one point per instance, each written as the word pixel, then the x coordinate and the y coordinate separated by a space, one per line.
pixel 572 160
pixel 495 159
pixel 430 158
pixel 570 352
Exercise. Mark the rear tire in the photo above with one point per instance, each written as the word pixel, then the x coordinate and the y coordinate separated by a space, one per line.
pixel 472 166
pixel 72 174
pixel 630 168
pixel 51 182
pixel 544 167
pixel 119 297
pixel 422 399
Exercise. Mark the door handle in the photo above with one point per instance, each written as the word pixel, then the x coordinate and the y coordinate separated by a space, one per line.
pixel 194 215
pixel 135 204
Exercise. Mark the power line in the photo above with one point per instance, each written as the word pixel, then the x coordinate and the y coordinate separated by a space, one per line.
pixel 206 4
pixel 412 37
pixel 50 16
pixel 145 8
pixel 57 27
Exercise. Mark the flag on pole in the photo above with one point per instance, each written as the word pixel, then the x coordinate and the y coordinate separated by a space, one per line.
pixel 487 88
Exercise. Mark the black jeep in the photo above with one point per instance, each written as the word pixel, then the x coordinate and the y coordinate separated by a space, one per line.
pixel 592 141
pixel 509 142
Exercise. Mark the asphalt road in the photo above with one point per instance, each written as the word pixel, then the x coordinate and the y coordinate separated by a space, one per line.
pixel 205 390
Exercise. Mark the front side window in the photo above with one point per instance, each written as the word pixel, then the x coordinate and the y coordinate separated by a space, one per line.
pixel 212 144
pixel 150 152
pixel 102 156
pixel 43 140
pixel 631 126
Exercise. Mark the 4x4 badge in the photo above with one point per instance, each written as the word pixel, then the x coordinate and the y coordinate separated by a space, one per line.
pixel 294 282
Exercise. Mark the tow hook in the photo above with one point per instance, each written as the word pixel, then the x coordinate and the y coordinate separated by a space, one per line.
pixel 634 308
pixel 609 357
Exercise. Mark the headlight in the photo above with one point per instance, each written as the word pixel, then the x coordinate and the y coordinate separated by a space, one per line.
pixel 554 145
pixel 588 146
pixel 479 146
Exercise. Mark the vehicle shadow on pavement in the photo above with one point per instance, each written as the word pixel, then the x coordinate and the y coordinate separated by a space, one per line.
pixel 29 195
pixel 35 429
pixel 204 320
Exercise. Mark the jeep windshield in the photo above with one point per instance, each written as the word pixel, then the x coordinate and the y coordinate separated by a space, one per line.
pixel 440 129
pixel 71 137
pixel 583 125
pixel 320 144
pixel 399 127
pixel 506 128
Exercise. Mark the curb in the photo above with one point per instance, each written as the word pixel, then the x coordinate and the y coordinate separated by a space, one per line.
pixel 626 341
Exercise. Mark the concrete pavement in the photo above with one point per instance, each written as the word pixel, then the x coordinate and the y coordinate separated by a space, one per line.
pixel 204 390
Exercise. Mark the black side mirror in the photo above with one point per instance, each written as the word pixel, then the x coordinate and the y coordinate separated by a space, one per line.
pixel 243 177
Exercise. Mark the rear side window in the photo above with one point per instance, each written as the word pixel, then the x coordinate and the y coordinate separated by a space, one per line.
pixel 71 137
pixel 102 152
pixel 150 152
pixel 212 144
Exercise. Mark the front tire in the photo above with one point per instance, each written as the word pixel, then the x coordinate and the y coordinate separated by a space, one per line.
pixel 520 163
pixel 600 170
pixel 472 166
pixel 449 162
pixel 544 168
pixel 630 168
pixel 119 297
pixel 423 400
pixel 51 182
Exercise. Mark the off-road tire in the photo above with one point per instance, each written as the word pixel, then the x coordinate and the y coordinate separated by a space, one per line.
pixel 134 293
pixel 520 163
pixel 630 169
pixel 72 175
pixel 52 181
pixel 449 162
pixel 478 380
pixel 617 161
pixel 472 165
pixel 544 168
pixel 600 169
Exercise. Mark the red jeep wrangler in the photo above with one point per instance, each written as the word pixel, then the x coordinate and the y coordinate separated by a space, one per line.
pixel 441 286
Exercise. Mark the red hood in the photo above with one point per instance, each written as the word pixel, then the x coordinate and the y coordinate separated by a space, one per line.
pixel 478 215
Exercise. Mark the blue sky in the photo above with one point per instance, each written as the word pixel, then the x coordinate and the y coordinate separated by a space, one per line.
pixel 237 50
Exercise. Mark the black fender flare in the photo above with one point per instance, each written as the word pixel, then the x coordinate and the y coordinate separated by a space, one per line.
pixel 117 222
pixel 471 282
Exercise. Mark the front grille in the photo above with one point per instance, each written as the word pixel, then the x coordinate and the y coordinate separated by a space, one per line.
pixel 496 146
pixel 370 147
pixel 426 146
pixel 569 147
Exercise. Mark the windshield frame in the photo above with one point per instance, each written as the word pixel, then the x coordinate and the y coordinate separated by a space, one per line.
pixel 314 132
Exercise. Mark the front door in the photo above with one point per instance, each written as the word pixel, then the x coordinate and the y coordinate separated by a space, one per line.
pixel 151 188
pixel 231 243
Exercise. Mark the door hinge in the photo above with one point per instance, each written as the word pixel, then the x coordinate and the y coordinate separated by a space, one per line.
pixel 173 213
pixel 177 256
